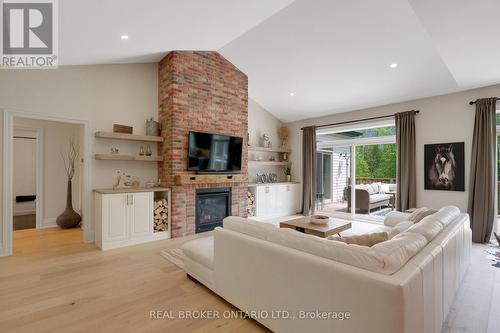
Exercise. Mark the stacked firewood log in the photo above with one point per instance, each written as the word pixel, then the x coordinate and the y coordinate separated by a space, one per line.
pixel 161 215
pixel 250 204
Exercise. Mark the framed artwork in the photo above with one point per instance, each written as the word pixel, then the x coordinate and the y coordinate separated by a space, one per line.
pixel 444 166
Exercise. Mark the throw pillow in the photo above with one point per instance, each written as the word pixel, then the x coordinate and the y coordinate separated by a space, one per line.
pixel 418 214
pixel 384 188
pixel 363 240
pixel 369 188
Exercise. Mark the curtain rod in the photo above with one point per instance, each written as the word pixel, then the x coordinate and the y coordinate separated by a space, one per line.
pixel 360 120
pixel 474 102
pixel 24 137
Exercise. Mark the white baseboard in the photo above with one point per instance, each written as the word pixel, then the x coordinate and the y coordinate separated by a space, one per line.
pixel 49 222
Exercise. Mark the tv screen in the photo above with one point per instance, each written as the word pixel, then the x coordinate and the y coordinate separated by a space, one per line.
pixel 214 152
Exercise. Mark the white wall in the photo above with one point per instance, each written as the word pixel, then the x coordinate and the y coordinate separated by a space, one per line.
pixel 447 118
pixel 101 94
pixel 24 170
pixel 260 121
pixel 56 137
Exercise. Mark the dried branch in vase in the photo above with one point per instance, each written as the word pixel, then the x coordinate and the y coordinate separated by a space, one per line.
pixel 283 133
pixel 69 158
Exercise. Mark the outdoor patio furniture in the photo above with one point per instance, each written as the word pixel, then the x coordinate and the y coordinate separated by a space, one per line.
pixel 371 196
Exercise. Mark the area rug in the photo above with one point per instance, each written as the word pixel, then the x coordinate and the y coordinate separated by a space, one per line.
pixel 493 252
pixel 382 212
pixel 175 256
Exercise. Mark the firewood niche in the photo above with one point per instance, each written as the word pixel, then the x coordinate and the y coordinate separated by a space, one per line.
pixel 161 212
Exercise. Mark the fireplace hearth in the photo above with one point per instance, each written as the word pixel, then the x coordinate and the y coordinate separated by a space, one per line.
pixel 212 206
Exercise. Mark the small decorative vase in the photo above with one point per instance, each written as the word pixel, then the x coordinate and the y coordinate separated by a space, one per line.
pixel 149 152
pixel 69 218
pixel 152 127
pixel 141 151
pixel 288 178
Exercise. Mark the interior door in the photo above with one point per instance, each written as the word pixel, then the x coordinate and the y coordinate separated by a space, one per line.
pixel 141 214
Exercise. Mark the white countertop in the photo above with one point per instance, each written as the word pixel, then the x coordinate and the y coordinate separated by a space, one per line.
pixel 271 184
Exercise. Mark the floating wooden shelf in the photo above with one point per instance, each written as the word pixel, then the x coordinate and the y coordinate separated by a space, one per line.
pixel 263 163
pixel 116 157
pixel 269 150
pixel 193 179
pixel 130 137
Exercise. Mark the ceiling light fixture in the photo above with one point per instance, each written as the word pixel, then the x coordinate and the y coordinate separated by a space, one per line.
pixel 393 65
pixel 292 94
pixel 124 37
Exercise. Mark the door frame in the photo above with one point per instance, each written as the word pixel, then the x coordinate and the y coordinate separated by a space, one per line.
pixel 39 201
pixel 7 191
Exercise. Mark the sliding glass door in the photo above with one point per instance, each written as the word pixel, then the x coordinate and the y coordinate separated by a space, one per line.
pixel 356 171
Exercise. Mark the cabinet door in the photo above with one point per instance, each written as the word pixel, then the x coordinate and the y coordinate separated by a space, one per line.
pixel 278 200
pixel 288 200
pixel 115 217
pixel 295 197
pixel 141 214
pixel 260 201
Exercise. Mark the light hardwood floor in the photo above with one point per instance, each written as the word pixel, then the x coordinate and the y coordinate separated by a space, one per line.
pixel 55 283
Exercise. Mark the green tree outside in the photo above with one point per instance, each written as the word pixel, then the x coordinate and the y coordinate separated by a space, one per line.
pixel 376 161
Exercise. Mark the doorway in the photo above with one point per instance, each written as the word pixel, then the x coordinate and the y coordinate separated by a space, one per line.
pixel 356 170
pixel 52 138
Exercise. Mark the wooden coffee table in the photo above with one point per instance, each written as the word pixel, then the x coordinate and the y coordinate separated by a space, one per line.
pixel 334 226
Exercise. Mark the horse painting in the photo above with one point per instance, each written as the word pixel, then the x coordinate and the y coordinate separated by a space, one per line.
pixel 444 167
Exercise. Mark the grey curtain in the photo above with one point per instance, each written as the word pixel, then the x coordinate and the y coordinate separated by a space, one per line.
pixel 481 206
pixel 308 170
pixel 406 196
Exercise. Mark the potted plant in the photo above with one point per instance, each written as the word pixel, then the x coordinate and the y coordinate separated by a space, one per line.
pixel 69 218
pixel 288 174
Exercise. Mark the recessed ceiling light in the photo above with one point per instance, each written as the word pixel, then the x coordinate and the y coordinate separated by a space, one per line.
pixel 292 94
pixel 393 65
pixel 124 37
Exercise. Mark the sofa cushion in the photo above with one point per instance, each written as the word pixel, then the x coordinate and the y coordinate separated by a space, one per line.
pixel 364 240
pixel 370 189
pixel 399 228
pixel 350 254
pixel 429 227
pixel 395 217
pixel 418 214
pixel 373 188
pixel 447 214
pixel 248 227
pixel 386 257
pixel 379 197
pixel 396 252
pixel 200 250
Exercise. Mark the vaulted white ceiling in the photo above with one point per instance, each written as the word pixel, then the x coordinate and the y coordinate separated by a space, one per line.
pixel 334 55
pixel 90 30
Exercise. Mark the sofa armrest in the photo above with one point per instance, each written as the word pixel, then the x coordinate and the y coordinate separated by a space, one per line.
pixel 362 199
pixel 394 218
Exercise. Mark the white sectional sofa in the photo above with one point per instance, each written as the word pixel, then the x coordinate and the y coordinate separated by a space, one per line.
pixel 404 285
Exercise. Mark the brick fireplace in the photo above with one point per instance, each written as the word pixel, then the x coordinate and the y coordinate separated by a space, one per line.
pixel 199 91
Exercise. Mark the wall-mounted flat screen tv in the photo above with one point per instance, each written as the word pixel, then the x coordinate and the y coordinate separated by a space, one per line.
pixel 214 153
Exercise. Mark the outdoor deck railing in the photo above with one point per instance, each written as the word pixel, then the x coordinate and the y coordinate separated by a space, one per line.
pixel 369 180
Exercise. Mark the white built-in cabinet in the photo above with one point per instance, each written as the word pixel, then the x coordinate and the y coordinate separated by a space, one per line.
pixel 274 200
pixel 124 219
